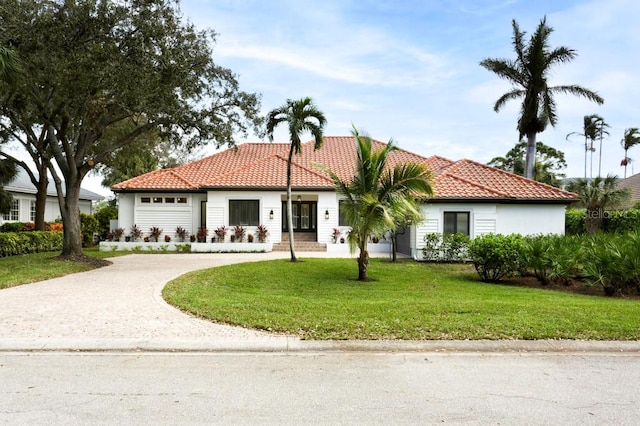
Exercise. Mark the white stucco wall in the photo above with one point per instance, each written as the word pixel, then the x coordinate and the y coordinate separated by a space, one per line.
pixel 525 219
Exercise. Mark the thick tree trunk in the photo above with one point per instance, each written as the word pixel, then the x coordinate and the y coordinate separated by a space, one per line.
pixel 70 210
pixel 41 199
pixel 394 246
pixel 530 161
pixel 363 262
pixel 290 209
pixel 594 220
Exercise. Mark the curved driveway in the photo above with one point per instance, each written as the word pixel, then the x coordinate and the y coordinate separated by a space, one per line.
pixel 121 307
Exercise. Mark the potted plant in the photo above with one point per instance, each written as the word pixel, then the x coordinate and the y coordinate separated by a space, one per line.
pixel 238 233
pixel 117 234
pixel 250 238
pixel 181 233
pixel 221 232
pixel 262 233
pixel 154 233
pixel 192 238
pixel 136 233
pixel 110 236
pixel 335 235
pixel 202 234
pixel 167 239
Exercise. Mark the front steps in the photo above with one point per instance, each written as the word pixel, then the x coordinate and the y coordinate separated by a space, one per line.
pixel 302 242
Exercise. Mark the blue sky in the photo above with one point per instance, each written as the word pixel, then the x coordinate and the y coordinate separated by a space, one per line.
pixel 408 70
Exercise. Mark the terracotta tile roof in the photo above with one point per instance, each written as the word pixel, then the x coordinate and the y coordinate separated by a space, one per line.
pixel 263 165
pixel 271 172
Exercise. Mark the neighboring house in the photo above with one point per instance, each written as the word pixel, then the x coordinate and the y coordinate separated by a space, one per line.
pixel 632 183
pixel 24 201
pixel 247 186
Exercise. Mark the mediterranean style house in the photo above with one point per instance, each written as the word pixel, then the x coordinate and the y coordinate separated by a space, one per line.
pixel 246 186
pixel 23 208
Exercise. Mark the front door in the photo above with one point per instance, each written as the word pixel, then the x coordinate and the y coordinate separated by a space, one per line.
pixel 304 216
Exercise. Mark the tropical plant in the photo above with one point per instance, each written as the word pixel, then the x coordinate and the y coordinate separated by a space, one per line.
pixel 181 233
pixel 118 233
pixel 377 198
pixel 301 115
pixel 202 233
pixel 596 196
pixel 549 162
pixel 154 233
pixel 335 234
pixel 593 128
pixel 239 233
pixel 221 233
pixel 136 233
pixel 262 233
pixel 529 73
pixel 631 138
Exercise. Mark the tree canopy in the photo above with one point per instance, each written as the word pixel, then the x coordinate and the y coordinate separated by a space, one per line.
pixel 548 167
pixel 529 73
pixel 90 65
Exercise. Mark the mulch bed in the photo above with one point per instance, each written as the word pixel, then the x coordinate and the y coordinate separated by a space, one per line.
pixel 573 286
pixel 91 261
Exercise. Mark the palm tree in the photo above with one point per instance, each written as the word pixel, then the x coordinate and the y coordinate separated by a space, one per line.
pixel 528 74
pixel 302 115
pixel 378 198
pixel 631 138
pixel 592 129
pixel 597 195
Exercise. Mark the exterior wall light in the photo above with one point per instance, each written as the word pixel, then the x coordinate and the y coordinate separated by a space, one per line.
pixel 271 215
pixel 326 214
pixel 299 198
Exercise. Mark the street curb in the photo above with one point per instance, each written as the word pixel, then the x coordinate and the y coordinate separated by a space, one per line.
pixel 290 344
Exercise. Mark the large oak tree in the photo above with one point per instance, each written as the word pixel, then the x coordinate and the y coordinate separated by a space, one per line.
pixel 93 64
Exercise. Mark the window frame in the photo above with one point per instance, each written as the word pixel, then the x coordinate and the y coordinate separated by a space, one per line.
pixel 249 219
pixel 455 222
pixel 13 215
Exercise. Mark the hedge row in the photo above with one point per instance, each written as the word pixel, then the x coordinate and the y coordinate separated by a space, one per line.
pixel 615 221
pixel 15 243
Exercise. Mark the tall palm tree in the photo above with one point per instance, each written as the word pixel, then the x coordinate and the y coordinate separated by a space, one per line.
pixel 378 198
pixel 630 139
pixel 302 115
pixel 592 129
pixel 601 131
pixel 597 195
pixel 528 73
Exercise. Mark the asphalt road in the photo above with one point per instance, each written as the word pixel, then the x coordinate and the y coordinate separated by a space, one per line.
pixel 51 388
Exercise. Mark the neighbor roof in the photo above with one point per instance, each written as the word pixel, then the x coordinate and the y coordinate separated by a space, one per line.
pixel 22 184
pixel 632 183
pixel 263 166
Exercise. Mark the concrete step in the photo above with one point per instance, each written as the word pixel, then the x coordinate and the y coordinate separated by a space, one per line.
pixel 300 246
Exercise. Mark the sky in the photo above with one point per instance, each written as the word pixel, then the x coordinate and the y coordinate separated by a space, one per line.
pixel 409 70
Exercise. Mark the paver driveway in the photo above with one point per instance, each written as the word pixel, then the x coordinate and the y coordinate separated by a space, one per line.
pixel 120 307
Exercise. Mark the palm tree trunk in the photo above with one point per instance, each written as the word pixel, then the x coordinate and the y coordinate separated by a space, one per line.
pixel 531 156
pixel 289 208
pixel 585 155
pixel 600 158
pixel 363 262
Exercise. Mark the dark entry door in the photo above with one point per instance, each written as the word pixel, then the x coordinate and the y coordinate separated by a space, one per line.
pixel 304 216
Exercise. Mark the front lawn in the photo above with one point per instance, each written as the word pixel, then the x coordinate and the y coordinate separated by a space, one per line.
pixel 318 299
pixel 29 268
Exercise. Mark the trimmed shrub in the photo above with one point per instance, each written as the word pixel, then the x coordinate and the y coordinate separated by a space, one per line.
pixel 575 222
pixel 613 262
pixel 16 243
pixel 552 257
pixel 12 226
pixel 89 226
pixel 621 221
pixel 497 256
pixel 447 248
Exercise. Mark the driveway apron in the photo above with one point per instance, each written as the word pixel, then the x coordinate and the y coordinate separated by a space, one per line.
pixel 121 307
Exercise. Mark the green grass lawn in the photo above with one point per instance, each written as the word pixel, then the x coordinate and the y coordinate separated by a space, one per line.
pixel 319 299
pixel 29 268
